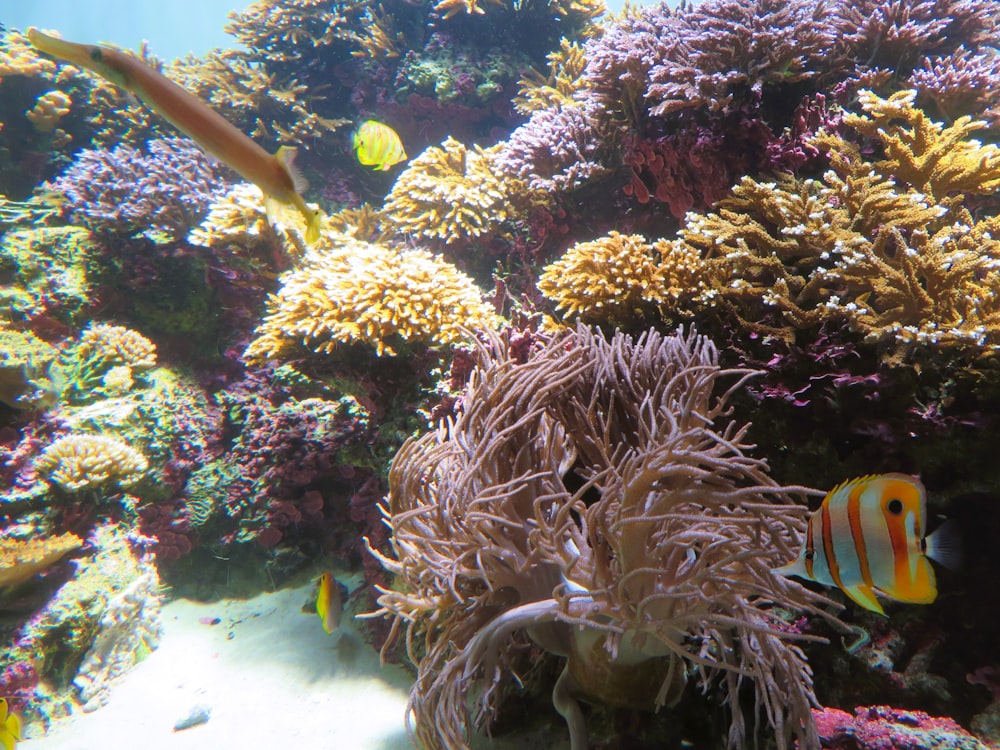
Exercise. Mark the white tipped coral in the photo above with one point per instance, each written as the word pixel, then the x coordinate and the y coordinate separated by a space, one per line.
pixel 80 462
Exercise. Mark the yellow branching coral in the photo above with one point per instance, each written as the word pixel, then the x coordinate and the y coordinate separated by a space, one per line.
pixel 83 462
pixel 117 345
pixel 565 78
pixel 362 223
pixel 20 559
pixel 238 222
pixel 885 247
pixel 934 159
pixel 357 292
pixel 452 193
pixel 19 58
pixel 622 276
pixel 380 39
pixel 449 8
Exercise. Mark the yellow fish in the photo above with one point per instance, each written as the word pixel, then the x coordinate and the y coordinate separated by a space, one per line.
pixel 274 174
pixel 10 727
pixel 329 606
pixel 378 145
pixel 867 537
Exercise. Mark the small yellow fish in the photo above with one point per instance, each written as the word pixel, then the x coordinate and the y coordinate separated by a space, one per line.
pixel 10 727
pixel 329 606
pixel 378 145
pixel 867 537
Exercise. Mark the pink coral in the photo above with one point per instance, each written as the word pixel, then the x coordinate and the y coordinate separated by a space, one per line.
pixel 886 728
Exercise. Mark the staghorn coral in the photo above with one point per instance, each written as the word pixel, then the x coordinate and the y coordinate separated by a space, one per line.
pixel 452 193
pixel 596 497
pixel 165 189
pixel 720 46
pixel 930 157
pixel 237 223
pixel 449 8
pixel 619 277
pixel 961 83
pixel 885 246
pixel 357 292
pixel 558 149
pixel 565 79
pixel 84 462
pixel 895 34
pixel 21 559
pixel 129 630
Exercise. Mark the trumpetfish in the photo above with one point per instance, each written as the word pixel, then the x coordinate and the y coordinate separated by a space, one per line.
pixel 274 174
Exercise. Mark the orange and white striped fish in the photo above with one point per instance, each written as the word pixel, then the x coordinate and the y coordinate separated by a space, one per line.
pixel 867 537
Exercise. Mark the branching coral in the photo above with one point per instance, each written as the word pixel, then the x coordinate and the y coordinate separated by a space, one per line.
pixel 452 193
pixel 565 78
pixel 962 83
pixel 619 277
pixel 932 158
pixel 166 189
pixel 902 263
pixel 20 559
pixel 84 367
pixel 598 497
pixel 560 148
pixel 356 292
pixel 84 462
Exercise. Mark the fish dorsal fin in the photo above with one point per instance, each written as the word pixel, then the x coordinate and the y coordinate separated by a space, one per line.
pixel 944 546
pixel 286 155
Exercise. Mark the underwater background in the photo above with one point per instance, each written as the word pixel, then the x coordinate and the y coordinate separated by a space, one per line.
pixel 609 378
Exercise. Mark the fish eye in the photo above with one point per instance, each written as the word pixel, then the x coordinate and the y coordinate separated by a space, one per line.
pixel 810 555
pixel 895 506
pixel 95 54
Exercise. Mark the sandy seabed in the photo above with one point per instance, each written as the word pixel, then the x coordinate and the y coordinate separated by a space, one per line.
pixel 271 677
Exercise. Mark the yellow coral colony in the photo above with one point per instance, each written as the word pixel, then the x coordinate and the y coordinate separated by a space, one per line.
pixel 117 345
pixel 565 78
pixel 20 559
pixel 885 246
pixel 451 193
pixel 49 109
pixel 83 462
pixel 357 292
pixel 619 277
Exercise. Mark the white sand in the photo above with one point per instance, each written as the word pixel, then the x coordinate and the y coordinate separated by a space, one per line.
pixel 271 675
pixel 273 679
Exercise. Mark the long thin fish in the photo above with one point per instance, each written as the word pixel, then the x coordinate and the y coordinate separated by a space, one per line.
pixel 274 174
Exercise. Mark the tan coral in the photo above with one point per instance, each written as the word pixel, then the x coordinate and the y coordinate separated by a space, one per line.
pixel 565 78
pixel 49 109
pixel 934 159
pixel 19 58
pixel 622 276
pixel 452 193
pixel 20 559
pixel 83 462
pixel 117 344
pixel 357 292
pixel 449 8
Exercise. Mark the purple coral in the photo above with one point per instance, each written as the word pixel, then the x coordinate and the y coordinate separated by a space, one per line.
pixel 166 190
pixel 557 149
pixel 722 45
pixel 961 83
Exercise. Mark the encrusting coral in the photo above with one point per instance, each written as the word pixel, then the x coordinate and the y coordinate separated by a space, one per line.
pixel 597 498
pixel 49 109
pixel 84 462
pixel 622 277
pixel 20 559
pixel 358 292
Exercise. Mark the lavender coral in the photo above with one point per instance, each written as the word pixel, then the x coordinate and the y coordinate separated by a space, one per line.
pixel 598 498
pixel 164 190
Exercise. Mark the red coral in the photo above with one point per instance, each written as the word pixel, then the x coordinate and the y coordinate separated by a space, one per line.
pixel 886 728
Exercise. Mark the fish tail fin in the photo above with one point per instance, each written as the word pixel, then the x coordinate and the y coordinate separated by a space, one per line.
pixel 795 568
pixel 944 545
pixel 286 155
